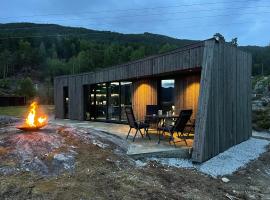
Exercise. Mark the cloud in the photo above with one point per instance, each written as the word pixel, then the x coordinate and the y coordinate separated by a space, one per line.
pixel 181 19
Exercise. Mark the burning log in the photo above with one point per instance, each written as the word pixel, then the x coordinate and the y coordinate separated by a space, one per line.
pixel 34 120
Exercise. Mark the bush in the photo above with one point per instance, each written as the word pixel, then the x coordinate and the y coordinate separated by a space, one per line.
pixel 260 119
pixel 26 88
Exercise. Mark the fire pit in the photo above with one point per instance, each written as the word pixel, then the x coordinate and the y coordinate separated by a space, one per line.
pixel 34 120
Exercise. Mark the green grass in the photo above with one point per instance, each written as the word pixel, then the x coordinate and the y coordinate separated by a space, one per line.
pixel 20 111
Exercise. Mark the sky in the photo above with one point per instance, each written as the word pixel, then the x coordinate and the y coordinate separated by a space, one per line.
pixel 248 20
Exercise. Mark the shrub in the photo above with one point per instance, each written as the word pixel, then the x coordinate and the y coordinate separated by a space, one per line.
pixel 26 88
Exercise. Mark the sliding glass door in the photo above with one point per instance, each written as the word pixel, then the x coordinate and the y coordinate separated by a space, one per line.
pixel 101 101
pixel 114 101
pixel 106 101
pixel 125 98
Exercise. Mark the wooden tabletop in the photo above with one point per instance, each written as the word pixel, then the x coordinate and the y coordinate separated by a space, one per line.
pixel 162 116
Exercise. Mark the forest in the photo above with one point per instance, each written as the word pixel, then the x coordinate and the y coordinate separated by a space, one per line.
pixel 72 50
pixel 43 51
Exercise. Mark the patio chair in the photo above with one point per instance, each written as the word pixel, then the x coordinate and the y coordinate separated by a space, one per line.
pixel 137 125
pixel 150 111
pixel 178 127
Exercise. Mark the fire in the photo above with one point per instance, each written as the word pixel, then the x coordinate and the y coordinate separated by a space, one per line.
pixel 33 120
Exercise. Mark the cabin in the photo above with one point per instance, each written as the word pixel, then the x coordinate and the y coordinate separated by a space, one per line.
pixel 211 77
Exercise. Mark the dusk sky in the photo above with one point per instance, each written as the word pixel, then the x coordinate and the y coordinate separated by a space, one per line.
pixel 248 20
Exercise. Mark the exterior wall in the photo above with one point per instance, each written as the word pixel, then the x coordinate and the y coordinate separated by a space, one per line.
pixel 187 89
pixel 166 63
pixel 59 85
pixel 224 113
pixel 144 92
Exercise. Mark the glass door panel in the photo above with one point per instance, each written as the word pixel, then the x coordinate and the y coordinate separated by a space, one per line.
pixel 125 98
pixel 101 101
pixel 114 101
pixel 167 95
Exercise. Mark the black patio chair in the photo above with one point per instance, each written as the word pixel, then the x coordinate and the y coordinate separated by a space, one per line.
pixel 178 127
pixel 137 125
pixel 150 111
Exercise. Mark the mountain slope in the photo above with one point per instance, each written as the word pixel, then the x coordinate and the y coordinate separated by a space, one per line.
pixel 52 30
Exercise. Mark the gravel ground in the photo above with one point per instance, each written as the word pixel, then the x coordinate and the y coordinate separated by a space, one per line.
pixel 225 163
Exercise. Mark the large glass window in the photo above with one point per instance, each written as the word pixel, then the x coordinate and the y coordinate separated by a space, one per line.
pixel 167 95
pixel 125 98
pixel 106 101
pixel 101 101
pixel 114 101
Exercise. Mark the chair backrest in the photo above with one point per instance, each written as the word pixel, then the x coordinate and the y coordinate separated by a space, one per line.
pixel 152 109
pixel 130 117
pixel 182 121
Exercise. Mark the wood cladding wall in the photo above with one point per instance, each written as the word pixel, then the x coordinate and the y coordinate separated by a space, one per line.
pixel 186 58
pixel 224 112
pixel 144 92
pixel 187 93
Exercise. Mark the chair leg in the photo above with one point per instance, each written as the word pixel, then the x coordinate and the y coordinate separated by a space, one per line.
pixel 182 137
pixel 135 135
pixel 159 134
pixel 140 132
pixel 185 139
pixel 172 139
pixel 128 133
pixel 146 132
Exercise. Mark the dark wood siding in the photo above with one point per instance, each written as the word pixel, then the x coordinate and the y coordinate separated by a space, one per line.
pixel 187 93
pixel 59 84
pixel 224 113
pixel 174 61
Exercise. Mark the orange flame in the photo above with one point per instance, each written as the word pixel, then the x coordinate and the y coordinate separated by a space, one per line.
pixel 32 119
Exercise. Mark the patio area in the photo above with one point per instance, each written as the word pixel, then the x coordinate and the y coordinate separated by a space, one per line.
pixel 142 147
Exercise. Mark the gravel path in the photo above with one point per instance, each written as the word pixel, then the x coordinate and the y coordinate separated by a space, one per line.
pixel 225 163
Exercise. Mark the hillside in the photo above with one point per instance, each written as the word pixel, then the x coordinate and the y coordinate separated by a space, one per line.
pixel 43 51
pixel 55 50
pixel 260 57
pixel 30 29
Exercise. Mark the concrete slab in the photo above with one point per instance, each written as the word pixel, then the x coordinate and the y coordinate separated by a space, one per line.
pixel 142 147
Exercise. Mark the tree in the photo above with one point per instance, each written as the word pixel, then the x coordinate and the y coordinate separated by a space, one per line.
pixel 85 61
pixel 26 88
pixel 42 51
pixel 5 62
pixel 167 47
pixel 25 53
pixel 137 54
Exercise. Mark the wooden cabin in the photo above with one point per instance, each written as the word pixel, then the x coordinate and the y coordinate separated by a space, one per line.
pixel 211 77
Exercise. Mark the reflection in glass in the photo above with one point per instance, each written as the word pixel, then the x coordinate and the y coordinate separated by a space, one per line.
pixel 125 98
pixel 106 101
pixel 101 101
pixel 114 101
pixel 167 95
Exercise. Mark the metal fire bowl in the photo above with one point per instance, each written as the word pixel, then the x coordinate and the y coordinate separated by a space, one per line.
pixel 26 128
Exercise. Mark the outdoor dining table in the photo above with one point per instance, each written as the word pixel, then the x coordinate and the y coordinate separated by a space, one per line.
pixel 160 118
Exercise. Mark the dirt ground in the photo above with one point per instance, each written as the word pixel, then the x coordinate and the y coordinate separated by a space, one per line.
pixel 101 173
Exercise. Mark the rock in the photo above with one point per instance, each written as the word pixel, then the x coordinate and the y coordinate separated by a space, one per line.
pixel 225 180
pixel 61 157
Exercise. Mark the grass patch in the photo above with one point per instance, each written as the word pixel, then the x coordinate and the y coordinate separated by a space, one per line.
pixel 20 111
